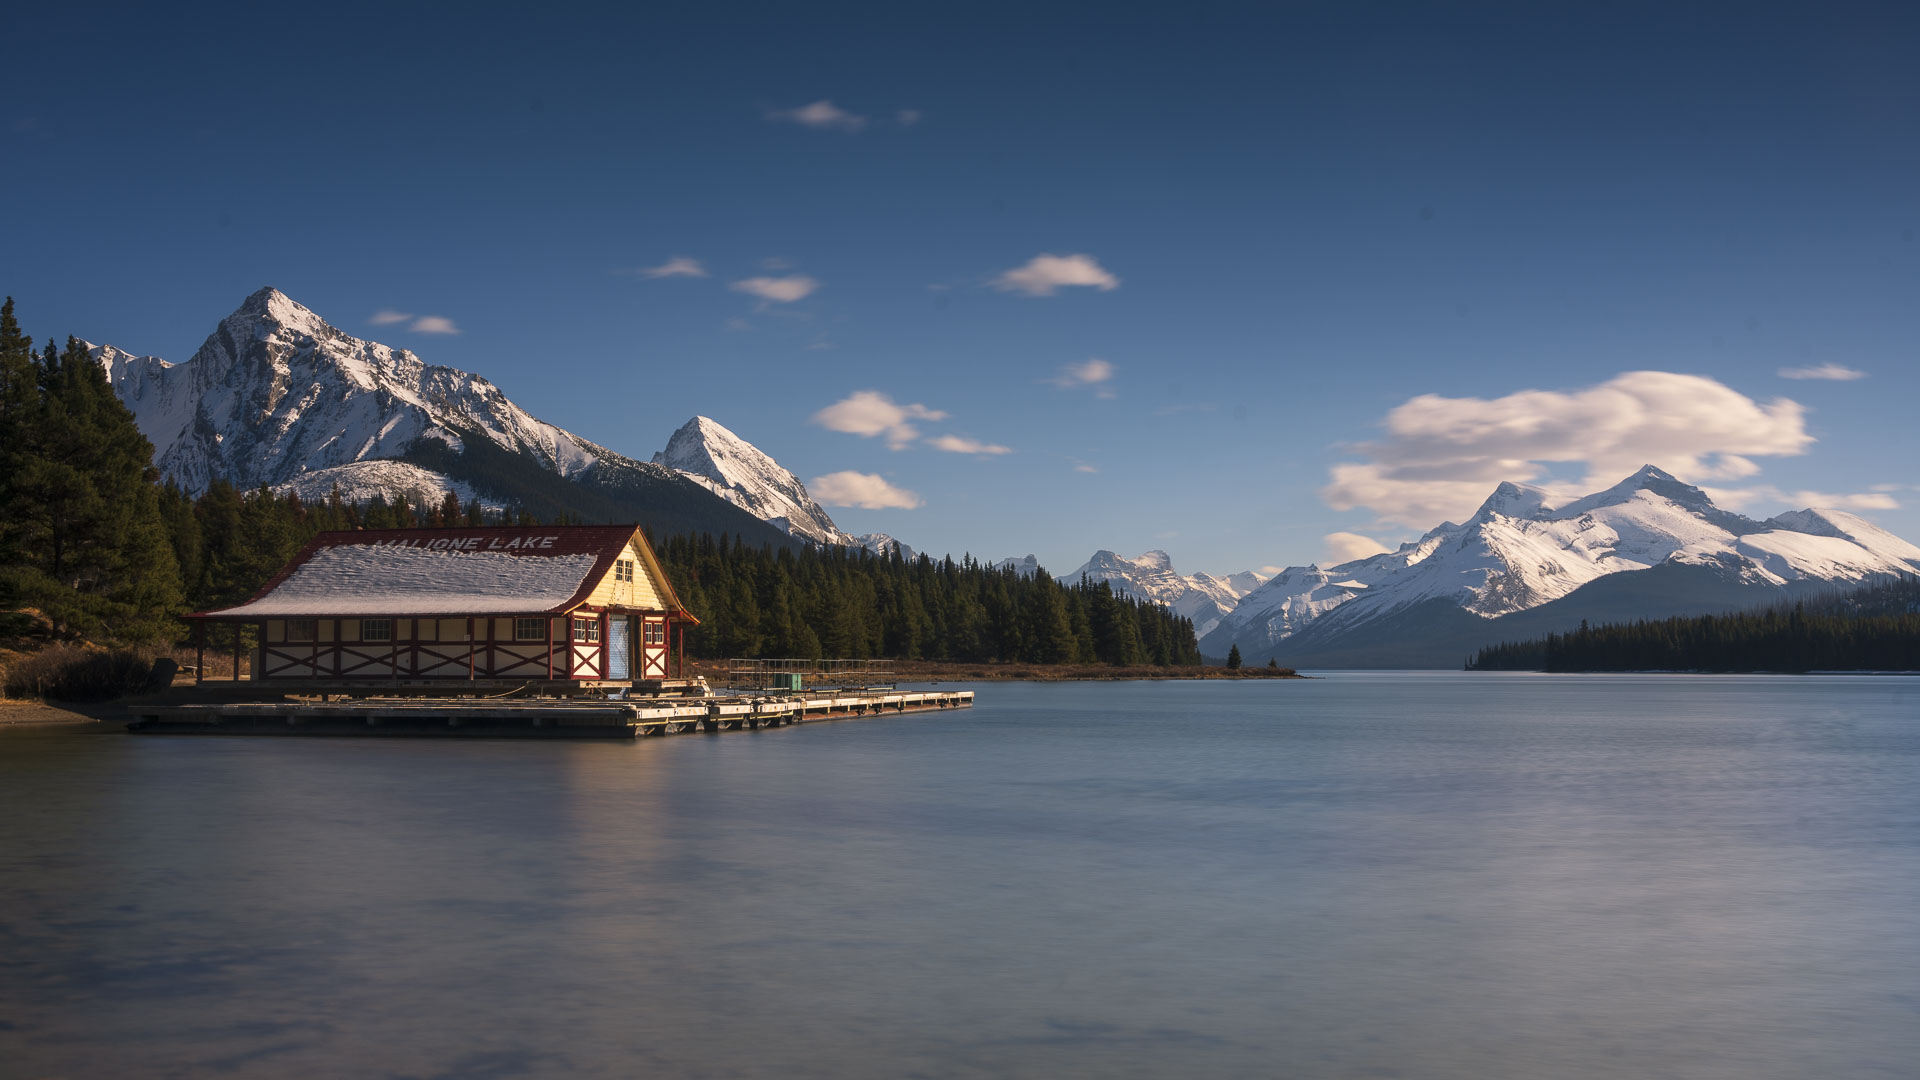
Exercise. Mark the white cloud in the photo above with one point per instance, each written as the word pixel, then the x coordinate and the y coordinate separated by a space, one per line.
pixel 388 316
pixel 907 117
pixel 868 413
pixel 678 266
pixel 1046 274
pixel 960 444
pixel 1442 456
pixel 783 289
pixel 1090 373
pixel 1343 547
pixel 434 324
pixel 822 115
pixel 864 490
pixel 1081 466
pixel 1866 500
pixel 1832 372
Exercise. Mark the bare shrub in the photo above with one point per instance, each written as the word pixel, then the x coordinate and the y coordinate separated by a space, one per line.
pixel 71 673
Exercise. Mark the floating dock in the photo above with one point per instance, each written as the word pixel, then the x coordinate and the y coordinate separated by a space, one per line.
pixel 534 717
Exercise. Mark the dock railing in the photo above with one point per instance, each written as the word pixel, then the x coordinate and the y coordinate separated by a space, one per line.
pixel 794 676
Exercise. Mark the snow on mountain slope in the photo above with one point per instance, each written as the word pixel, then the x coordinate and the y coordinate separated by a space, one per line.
pixel 883 545
pixel 358 481
pixel 1518 552
pixel 741 473
pixel 1203 598
pixel 276 393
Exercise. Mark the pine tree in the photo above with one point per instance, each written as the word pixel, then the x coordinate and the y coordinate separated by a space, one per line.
pixel 1233 658
pixel 93 551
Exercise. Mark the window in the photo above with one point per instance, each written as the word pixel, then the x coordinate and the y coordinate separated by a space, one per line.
pixel 529 629
pixel 623 570
pixel 303 629
pixel 586 631
pixel 376 629
pixel 654 633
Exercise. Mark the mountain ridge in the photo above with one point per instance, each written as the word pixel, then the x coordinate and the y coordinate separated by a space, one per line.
pixel 1519 553
pixel 277 396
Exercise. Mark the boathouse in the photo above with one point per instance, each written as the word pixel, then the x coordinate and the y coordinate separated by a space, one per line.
pixel 573 605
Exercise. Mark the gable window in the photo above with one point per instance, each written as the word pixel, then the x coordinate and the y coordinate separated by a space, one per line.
pixel 655 633
pixel 529 629
pixel 586 631
pixel 623 570
pixel 303 629
pixel 376 629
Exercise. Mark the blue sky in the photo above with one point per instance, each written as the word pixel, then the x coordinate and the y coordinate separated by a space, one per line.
pixel 1324 248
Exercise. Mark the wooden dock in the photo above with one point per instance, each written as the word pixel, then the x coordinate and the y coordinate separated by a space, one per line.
pixel 532 718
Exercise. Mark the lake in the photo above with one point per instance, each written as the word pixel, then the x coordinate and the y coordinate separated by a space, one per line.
pixel 1432 874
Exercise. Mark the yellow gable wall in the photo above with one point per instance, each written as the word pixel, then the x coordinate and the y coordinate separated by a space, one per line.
pixel 642 592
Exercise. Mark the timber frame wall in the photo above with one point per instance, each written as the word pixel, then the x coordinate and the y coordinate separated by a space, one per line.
pixel 467 647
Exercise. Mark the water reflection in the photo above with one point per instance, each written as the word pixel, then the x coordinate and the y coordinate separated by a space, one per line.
pixel 1430 875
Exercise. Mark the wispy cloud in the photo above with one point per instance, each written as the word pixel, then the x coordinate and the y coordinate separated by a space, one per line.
pixel 870 413
pixel 822 115
pixel 1441 455
pixel 785 290
pixel 960 444
pixel 1343 547
pixel 1083 467
pixel 907 117
pixel 1088 373
pixel 1831 372
pixel 867 491
pixel 678 266
pixel 419 324
pixel 1044 275
pixel 1768 495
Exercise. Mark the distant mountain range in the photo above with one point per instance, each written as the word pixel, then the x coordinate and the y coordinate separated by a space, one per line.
pixel 1203 598
pixel 1648 547
pixel 277 396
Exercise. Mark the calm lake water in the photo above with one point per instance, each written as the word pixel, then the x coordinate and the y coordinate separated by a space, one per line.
pixel 1373 875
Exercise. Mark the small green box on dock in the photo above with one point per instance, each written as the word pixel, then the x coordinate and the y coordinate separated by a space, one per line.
pixel 790 682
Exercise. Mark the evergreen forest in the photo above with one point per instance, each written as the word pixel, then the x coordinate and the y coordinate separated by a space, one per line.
pixel 108 551
pixel 1876 628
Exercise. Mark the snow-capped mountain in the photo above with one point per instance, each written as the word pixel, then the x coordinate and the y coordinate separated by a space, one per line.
pixel 277 396
pixel 1203 598
pixel 704 451
pixel 1519 552
pixel 1025 567
pixel 741 473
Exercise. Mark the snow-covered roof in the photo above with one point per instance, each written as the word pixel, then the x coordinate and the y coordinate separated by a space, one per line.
pixel 474 571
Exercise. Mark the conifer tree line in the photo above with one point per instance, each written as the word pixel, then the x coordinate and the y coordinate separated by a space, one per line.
pixel 94 539
pixel 840 603
pixel 1876 628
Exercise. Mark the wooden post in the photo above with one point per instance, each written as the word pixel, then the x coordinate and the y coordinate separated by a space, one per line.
pixel 469 648
pixel 549 618
pixel 236 652
pixel 603 645
pixel 199 650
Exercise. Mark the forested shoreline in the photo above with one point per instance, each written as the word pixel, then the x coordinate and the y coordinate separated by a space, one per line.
pixel 107 551
pixel 1876 628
